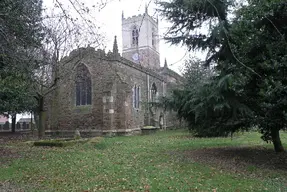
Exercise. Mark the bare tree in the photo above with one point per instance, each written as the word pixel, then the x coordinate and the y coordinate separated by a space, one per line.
pixel 62 34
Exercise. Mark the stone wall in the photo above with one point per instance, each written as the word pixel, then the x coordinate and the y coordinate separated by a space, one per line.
pixel 111 111
pixel 148 57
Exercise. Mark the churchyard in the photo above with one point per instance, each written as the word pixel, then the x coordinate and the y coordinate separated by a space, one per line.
pixel 165 161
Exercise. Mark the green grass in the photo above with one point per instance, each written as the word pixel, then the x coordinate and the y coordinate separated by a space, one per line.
pixel 137 163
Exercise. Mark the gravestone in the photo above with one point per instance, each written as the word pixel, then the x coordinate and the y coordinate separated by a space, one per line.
pixel 77 134
pixel 6 126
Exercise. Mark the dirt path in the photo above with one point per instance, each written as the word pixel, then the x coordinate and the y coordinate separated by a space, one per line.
pixel 240 159
pixel 7 139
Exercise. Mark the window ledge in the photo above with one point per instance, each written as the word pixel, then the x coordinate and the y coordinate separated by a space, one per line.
pixel 82 109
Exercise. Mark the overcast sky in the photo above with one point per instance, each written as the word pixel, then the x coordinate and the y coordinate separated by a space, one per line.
pixel 112 26
pixel 109 19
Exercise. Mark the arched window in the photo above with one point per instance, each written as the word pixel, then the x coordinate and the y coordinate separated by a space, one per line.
pixel 135 36
pixel 83 86
pixel 153 92
pixel 153 36
pixel 136 97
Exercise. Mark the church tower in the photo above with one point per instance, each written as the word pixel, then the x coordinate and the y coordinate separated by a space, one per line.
pixel 141 40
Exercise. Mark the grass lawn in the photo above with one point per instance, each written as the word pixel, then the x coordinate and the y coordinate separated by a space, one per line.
pixel 166 161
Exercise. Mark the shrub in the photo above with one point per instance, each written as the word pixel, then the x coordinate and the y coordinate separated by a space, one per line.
pixel 59 142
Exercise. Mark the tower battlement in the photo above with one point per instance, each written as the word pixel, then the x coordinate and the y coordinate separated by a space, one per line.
pixel 139 16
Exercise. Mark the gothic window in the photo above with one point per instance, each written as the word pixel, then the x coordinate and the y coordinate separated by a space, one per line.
pixel 153 92
pixel 136 97
pixel 83 86
pixel 135 36
pixel 153 36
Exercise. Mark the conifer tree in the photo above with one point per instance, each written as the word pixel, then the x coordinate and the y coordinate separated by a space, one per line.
pixel 249 50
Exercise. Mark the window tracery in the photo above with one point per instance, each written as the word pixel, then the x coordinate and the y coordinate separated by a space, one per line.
pixel 153 93
pixel 136 97
pixel 83 86
pixel 135 36
pixel 153 38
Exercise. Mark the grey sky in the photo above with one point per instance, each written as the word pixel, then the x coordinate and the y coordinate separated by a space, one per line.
pixel 109 19
pixel 112 26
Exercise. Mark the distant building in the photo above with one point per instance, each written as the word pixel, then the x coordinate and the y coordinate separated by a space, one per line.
pixel 4 123
pixel 3 119
pixel 27 120
pixel 24 123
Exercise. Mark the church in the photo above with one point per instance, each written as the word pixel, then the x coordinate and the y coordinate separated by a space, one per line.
pixel 111 93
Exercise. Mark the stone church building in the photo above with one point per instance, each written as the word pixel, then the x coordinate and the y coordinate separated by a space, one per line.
pixel 107 93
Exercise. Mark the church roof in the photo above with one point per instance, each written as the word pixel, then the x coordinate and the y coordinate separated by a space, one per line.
pixel 22 120
pixel 167 71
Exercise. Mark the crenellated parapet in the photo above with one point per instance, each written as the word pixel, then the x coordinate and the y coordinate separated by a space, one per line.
pixel 133 17
pixel 81 50
pixel 100 53
pixel 139 17
pixel 110 56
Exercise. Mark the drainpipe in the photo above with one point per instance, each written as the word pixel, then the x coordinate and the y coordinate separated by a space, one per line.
pixel 147 80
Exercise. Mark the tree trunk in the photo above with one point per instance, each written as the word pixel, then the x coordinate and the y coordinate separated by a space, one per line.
pixel 41 125
pixel 278 147
pixel 13 123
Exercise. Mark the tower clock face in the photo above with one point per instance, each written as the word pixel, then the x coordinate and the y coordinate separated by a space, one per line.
pixel 135 57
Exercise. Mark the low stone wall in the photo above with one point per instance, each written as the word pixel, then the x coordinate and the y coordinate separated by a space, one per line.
pixel 6 127
pixel 93 133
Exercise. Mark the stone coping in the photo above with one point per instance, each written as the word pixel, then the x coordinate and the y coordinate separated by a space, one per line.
pixel 149 128
pixel 94 131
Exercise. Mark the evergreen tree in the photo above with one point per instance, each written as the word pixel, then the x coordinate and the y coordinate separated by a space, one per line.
pixel 250 55
pixel 20 36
